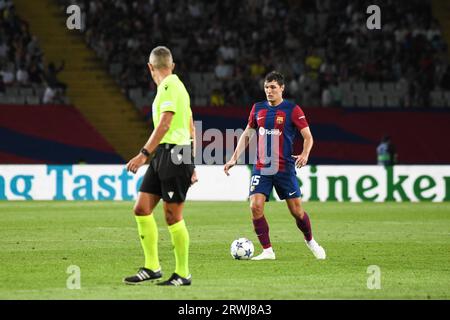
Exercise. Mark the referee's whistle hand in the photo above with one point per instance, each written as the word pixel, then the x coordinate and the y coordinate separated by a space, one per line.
pixel 194 178
pixel 134 164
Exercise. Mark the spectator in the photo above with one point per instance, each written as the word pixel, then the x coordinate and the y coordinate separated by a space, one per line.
pixel 227 52
pixel 327 98
pixel 257 69
pixel 223 71
pixel 52 76
pixel 313 63
pixel 4 49
pixel 386 152
pixel 35 73
pixel 336 94
pixel 22 76
pixel 217 98
pixel 8 74
pixel 293 89
pixel 49 95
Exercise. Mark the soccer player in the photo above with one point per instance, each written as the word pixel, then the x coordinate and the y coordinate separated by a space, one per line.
pixel 165 177
pixel 276 121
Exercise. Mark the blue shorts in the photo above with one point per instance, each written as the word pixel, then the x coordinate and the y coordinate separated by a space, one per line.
pixel 285 183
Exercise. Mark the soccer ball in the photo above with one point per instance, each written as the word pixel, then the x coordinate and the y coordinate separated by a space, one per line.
pixel 242 249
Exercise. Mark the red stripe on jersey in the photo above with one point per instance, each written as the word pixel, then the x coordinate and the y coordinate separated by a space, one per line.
pixel 298 118
pixel 280 121
pixel 261 118
pixel 260 123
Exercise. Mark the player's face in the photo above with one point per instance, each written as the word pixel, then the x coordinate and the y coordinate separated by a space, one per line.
pixel 274 92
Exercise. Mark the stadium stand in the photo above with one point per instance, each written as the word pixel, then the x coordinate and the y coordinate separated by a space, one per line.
pixel 329 56
pixel 89 87
pixel 23 76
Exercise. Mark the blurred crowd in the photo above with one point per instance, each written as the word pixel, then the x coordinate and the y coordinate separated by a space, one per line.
pixel 23 75
pixel 316 44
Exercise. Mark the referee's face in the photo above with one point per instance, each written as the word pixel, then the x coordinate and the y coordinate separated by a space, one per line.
pixel 274 92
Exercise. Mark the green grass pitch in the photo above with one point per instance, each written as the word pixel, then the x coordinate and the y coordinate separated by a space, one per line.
pixel 410 243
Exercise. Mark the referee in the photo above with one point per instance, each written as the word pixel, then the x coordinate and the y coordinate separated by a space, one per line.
pixel 166 177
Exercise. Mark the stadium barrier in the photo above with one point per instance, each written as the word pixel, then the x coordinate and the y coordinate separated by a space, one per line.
pixel 319 183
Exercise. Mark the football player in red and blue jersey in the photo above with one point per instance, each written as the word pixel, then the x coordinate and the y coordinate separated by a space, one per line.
pixel 275 122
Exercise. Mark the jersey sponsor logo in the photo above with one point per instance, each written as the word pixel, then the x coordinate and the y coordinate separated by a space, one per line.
pixel 280 120
pixel 261 131
pixel 264 131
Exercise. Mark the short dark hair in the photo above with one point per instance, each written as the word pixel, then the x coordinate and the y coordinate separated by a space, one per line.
pixel 275 76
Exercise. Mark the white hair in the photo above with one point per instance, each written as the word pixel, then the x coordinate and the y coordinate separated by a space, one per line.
pixel 161 58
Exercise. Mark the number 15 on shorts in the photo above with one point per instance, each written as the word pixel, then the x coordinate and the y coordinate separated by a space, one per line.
pixel 254 182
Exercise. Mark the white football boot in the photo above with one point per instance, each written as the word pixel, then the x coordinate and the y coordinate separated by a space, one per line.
pixel 316 249
pixel 267 254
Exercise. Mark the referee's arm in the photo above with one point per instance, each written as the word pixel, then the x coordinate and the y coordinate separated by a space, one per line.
pixel 194 143
pixel 152 143
pixel 194 177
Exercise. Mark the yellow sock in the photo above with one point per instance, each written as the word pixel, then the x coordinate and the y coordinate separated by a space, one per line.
pixel 180 241
pixel 148 234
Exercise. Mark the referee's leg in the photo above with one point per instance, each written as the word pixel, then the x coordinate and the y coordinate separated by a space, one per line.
pixel 148 235
pixel 145 203
pixel 175 182
pixel 147 228
pixel 179 235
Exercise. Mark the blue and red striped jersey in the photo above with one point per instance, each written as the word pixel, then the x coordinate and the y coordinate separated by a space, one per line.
pixel 276 128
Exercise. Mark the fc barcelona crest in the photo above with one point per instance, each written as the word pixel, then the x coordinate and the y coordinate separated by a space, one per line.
pixel 280 120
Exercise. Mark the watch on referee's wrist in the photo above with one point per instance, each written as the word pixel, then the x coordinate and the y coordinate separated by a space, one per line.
pixel 145 152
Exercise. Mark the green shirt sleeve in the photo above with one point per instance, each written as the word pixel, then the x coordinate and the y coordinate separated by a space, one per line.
pixel 168 98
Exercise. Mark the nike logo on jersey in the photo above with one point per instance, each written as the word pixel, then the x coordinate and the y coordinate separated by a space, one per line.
pixel 291 193
pixel 301 117
pixel 259 118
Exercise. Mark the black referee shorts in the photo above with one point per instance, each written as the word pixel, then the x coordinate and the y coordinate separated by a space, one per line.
pixel 168 178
